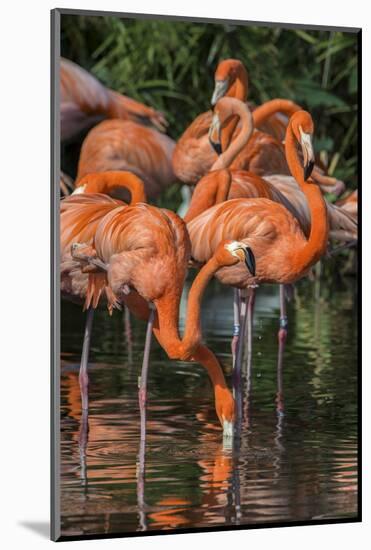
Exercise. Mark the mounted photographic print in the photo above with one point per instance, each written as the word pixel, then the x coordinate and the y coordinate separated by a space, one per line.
pixel 205 180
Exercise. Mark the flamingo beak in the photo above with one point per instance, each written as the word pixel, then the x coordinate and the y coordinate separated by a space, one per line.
pixel 308 154
pixel 214 135
pixel 221 86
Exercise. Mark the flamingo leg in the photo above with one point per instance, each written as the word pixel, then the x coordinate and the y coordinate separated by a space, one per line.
pixel 237 370
pixel 143 418
pixel 249 325
pixel 128 334
pixel 236 323
pixel 83 443
pixel 142 394
pixel 239 352
pixel 279 397
pixel 282 333
pixel 83 374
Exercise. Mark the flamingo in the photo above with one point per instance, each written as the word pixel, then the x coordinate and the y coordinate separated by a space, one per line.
pixel 255 151
pixel 283 252
pixel 143 253
pixel 193 155
pixel 263 114
pixel 85 101
pixel 80 214
pixel 125 145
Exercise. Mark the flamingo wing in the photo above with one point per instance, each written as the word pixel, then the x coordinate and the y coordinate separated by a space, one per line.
pixel 342 225
pixel 80 216
pixel 193 154
pixel 263 154
pixel 349 204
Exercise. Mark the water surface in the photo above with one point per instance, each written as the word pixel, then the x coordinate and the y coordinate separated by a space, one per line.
pixel 296 458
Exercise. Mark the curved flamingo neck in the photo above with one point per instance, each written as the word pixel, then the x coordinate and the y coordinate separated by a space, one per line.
pixel 238 90
pixel 202 354
pixel 316 244
pixel 269 108
pixel 247 127
pixel 211 189
pixel 108 182
pixel 168 315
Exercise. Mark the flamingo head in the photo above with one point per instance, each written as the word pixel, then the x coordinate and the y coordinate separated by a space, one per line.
pixel 225 409
pixel 231 252
pixel 226 74
pixel 303 128
pixel 215 134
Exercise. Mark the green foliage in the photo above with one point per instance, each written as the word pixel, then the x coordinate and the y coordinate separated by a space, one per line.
pixel 170 64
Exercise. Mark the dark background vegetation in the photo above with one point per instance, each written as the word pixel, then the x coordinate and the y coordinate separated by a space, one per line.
pixel 170 65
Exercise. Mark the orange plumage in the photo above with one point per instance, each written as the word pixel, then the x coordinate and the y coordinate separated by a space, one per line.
pixel 80 215
pixel 193 155
pixel 146 250
pixel 283 253
pixel 221 184
pixel 125 145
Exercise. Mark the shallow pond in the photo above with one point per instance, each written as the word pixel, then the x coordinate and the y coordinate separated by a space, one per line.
pixel 295 460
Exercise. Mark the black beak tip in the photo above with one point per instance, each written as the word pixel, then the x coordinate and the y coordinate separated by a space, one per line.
pixel 250 261
pixel 216 146
pixel 308 168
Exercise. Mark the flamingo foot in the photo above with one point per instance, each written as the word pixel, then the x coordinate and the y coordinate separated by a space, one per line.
pixel 83 374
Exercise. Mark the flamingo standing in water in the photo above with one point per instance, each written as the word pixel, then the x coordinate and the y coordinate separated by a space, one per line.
pixel 80 215
pixel 283 252
pixel 141 253
pixel 85 102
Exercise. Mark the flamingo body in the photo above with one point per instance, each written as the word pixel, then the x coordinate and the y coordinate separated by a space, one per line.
pixel 81 213
pixel 221 185
pixel 124 145
pixel 80 216
pixel 193 154
pixel 266 227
